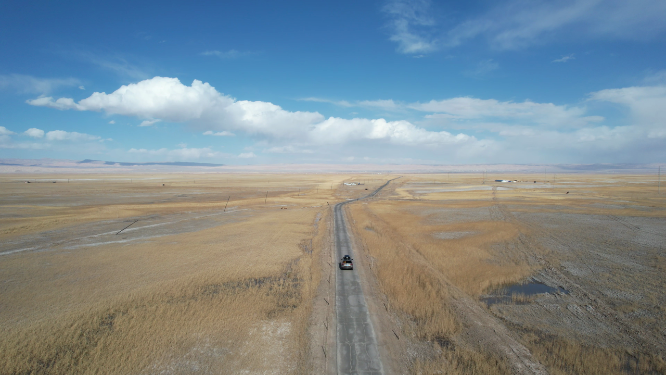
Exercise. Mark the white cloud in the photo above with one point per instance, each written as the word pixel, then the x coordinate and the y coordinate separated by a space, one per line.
pixel 288 150
pixel 26 84
pixel 61 103
pixel 517 24
pixel 200 105
pixel 35 133
pixel 82 88
pixel 5 131
pixel 411 25
pixel 112 122
pixel 342 103
pixel 57 140
pixel 566 58
pixel 509 130
pixel 647 104
pixel 149 122
pixel 61 135
pixel 337 130
pixel 381 104
pixel 247 155
pixel 182 153
pixel 388 104
pixel 509 113
pixel 219 134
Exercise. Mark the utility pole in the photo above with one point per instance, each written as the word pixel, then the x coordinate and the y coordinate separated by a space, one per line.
pixel 265 199
pixel 225 206
pixel 659 182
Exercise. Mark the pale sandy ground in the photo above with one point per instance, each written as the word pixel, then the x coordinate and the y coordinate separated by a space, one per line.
pixel 190 287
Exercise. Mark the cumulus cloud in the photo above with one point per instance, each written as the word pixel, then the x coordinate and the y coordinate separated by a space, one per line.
pixel 204 107
pixel 26 84
pixel 508 129
pixel 112 122
pixel 200 105
pixel 35 133
pixel 5 131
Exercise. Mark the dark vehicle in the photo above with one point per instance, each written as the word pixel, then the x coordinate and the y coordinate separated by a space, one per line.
pixel 346 263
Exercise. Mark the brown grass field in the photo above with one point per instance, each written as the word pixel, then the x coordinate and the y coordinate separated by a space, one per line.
pixel 219 273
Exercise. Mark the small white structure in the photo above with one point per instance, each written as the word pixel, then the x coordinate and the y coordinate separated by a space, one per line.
pixel 351 183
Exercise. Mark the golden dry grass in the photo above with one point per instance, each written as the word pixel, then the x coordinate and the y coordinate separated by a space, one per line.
pixel 416 258
pixel 231 298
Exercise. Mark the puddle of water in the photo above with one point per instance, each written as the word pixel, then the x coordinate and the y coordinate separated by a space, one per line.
pixel 515 293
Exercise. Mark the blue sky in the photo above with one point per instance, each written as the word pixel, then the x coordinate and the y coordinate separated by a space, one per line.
pixel 263 82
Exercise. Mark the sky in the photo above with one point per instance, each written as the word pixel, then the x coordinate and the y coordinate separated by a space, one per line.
pixel 335 82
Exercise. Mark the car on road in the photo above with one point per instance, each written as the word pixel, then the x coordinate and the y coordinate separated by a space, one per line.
pixel 346 263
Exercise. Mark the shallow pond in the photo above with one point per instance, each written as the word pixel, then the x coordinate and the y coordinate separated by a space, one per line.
pixel 516 293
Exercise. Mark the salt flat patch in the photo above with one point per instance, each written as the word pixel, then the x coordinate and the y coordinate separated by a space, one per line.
pixel 453 235
pixel 268 345
pixel 447 190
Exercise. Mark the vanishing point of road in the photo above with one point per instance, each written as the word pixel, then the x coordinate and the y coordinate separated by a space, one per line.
pixel 356 342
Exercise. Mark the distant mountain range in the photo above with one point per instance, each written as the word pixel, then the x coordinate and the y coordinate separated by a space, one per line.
pixel 175 163
pixel 100 166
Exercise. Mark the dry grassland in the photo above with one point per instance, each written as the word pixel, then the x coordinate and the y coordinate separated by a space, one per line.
pixel 188 287
pixel 439 242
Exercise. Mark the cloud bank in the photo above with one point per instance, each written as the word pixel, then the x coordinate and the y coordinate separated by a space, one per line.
pixel 461 128
pixel 203 107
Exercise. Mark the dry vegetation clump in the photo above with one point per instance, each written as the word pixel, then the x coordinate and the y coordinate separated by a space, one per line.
pixel 418 293
pixel 563 356
pixel 410 287
pixel 460 361
pixel 156 330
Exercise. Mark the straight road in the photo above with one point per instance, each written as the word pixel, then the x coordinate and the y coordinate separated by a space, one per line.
pixel 357 346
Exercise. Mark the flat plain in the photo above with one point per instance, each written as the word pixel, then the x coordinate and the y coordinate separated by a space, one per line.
pixel 231 273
